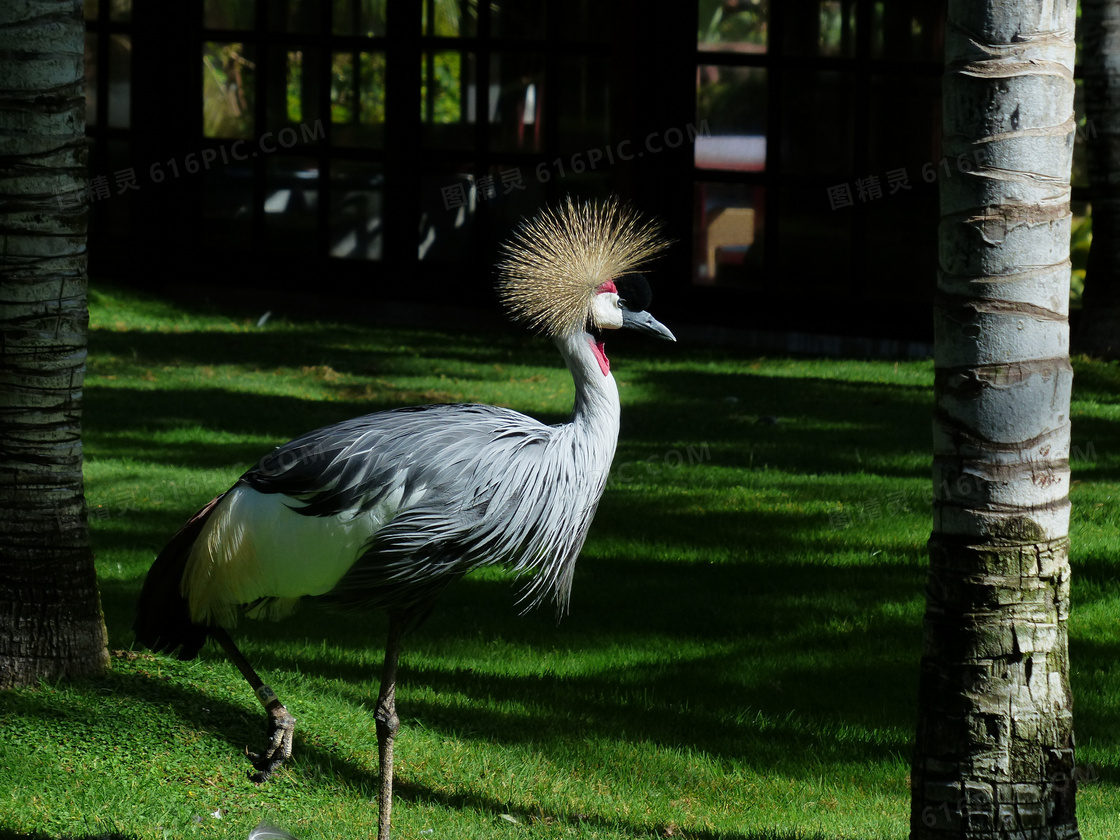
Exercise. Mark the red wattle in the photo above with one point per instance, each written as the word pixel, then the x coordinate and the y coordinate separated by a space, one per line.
pixel 601 357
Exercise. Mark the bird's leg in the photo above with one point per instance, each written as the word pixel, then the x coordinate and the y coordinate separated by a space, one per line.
pixel 387 725
pixel 281 725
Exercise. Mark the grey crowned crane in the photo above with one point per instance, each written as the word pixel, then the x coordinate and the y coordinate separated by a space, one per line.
pixel 386 511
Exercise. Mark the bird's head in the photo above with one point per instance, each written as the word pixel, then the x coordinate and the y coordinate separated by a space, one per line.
pixel 574 270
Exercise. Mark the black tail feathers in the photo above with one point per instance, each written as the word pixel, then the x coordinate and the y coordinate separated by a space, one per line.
pixel 163 619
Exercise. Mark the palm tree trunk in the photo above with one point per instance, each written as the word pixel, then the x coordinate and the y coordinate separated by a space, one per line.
pixel 50 613
pixel 1099 330
pixel 994 753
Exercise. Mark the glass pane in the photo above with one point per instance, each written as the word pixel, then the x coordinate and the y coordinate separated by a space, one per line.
pixel 294 15
pixel 817 122
pixel 513 192
pixel 293 95
pixel 227 205
pixel 1081 238
pixel 904 125
pixel 585 21
pixel 291 201
pixel 228 84
pixel 517 18
pixel 447 101
pixel 229 14
pixel 516 98
pixel 91 78
pixel 728 233
pixel 124 182
pixel 913 30
pixel 90 9
pixel 359 17
pixel 899 241
pixel 814 242
pixel 120 80
pixel 1084 132
pixel 356 210
pixel 358 98
pixel 447 217
pixel 821 27
pixel 449 18
pixel 120 10
pixel 731 118
pixel 581 104
pixel 737 27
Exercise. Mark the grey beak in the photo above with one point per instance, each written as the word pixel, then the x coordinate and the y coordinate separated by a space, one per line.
pixel 646 323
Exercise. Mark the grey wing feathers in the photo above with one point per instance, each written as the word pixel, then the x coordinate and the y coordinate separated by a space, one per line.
pixel 476 484
pixel 352 465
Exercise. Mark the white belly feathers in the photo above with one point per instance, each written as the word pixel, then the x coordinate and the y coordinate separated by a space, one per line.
pixel 255 546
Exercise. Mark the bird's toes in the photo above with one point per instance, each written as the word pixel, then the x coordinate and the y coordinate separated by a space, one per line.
pixel 281 730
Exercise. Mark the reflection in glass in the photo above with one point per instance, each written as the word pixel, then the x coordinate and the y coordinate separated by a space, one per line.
pixel 358 98
pixel 903 127
pixel 584 20
pixel 446 104
pixel 449 18
pixel 816 105
pixel 291 200
pixel 90 8
pixel 228 71
pixel 892 245
pixel 731 118
pixel 518 19
pixel 293 94
pixel 512 193
pixel 816 239
pixel 728 233
pixel 227 206
pixel 449 204
pixel 581 103
pixel 733 27
pixel 1079 176
pixel 356 209
pixel 120 10
pixel 825 27
pixel 120 80
pixel 1081 239
pixel 359 17
pixel 293 88
pixel 123 183
pixel 913 30
pixel 516 99
pixel 294 15
pixel 91 77
pixel 229 14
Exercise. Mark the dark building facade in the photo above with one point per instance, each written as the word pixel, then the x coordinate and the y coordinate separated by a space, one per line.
pixel 379 150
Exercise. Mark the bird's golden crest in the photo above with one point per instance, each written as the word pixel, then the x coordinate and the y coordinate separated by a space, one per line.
pixel 553 264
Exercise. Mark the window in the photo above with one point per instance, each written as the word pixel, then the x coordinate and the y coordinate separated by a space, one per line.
pixel 819 117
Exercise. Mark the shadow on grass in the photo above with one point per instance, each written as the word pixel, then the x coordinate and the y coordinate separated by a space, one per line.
pixel 843 418
pixel 204 712
pixel 766 659
pixel 150 682
pixel 745 661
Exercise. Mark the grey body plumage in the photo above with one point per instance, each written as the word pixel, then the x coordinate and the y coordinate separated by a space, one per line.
pixel 470 477
pixel 385 511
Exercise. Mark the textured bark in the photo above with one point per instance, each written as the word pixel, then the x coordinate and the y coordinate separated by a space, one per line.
pixel 994 754
pixel 50 613
pixel 1099 331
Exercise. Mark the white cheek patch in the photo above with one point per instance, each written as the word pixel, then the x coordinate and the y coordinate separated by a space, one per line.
pixel 606 314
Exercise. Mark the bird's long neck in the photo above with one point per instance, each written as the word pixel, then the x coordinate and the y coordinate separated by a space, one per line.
pixel 596 410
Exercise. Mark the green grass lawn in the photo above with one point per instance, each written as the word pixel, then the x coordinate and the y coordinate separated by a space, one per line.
pixel 740 659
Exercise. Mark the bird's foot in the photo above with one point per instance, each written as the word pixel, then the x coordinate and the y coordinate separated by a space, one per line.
pixel 281 728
